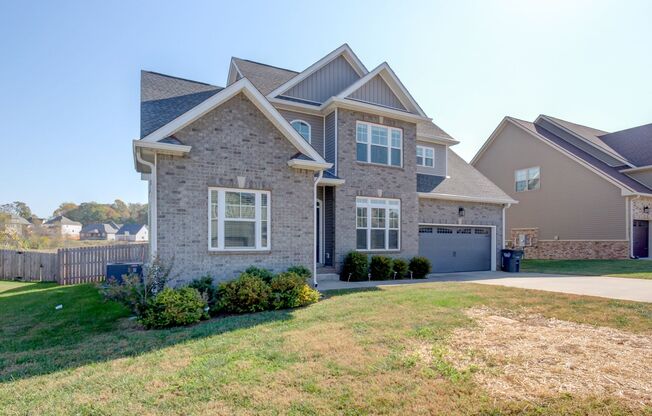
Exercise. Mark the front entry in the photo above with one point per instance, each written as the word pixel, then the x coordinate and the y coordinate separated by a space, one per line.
pixel 319 244
pixel 641 238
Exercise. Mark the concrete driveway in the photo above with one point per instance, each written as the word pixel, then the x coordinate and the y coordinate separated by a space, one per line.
pixel 639 290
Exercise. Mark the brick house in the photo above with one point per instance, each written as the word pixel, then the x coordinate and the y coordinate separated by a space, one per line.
pixel 281 168
pixel 583 193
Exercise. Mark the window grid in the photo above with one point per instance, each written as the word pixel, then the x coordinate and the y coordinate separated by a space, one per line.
pixel 378 224
pixel 238 214
pixel 426 156
pixel 527 179
pixel 379 144
pixel 303 128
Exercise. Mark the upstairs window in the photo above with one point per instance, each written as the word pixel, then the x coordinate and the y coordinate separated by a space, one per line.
pixel 527 179
pixel 378 144
pixel 239 219
pixel 426 156
pixel 302 128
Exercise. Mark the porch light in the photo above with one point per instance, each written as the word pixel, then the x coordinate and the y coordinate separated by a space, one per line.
pixel 646 209
pixel 461 212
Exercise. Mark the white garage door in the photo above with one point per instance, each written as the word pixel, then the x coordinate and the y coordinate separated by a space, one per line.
pixel 456 248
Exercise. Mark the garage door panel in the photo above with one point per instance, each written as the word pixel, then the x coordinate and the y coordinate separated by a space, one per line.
pixel 455 248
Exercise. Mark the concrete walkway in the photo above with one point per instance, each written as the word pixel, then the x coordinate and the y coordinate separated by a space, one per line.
pixel 639 290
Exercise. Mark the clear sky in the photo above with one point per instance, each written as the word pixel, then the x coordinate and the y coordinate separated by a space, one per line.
pixel 69 72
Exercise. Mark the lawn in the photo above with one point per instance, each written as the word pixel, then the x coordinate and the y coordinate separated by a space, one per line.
pixel 355 353
pixel 638 269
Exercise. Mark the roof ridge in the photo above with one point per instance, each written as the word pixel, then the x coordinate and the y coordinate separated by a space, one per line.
pixel 180 79
pixel 572 122
pixel 267 65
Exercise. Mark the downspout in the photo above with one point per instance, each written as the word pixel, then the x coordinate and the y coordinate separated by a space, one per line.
pixel 314 228
pixel 502 243
pixel 153 231
pixel 630 226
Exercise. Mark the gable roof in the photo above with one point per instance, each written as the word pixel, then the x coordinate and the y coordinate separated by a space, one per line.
pixel 264 77
pixel 344 51
pixel 164 97
pixel 131 229
pixel 60 219
pixel 100 228
pixel 245 86
pixel 429 130
pixel 17 220
pixel 635 144
pixel 393 82
pixel 464 182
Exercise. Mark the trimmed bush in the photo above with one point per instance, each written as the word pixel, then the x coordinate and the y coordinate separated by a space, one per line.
pixel 401 268
pixel 420 267
pixel 264 274
pixel 248 293
pixel 380 268
pixel 302 271
pixel 357 265
pixel 289 290
pixel 207 290
pixel 174 307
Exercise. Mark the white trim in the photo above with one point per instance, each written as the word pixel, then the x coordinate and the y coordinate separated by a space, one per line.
pixel 424 148
pixel 298 120
pixel 369 228
pixel 394 84
pixel 245 86
pixel 527 179
pixel 308 164
pixel 372 108
pixel 389 145
pixel 314 227
pixel 431 138
pixel 344 50
pixel 152 202
pixel 493 236
pixel 221 218
pixel 331 181
pixel 231 77
pixel 320 206
pixel 465 198
pixel 163 148
pixel 336 129
pixel 637 169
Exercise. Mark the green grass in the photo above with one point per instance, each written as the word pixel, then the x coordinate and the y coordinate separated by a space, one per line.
pixel 638 269
pixel 348 354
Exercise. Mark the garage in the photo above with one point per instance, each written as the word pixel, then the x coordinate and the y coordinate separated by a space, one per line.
pixel 452 248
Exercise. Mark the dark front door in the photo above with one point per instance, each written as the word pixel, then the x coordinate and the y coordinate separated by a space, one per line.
pixel 641 238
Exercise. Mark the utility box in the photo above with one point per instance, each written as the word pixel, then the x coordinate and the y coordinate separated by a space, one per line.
pixel 510 260
pixel 115 271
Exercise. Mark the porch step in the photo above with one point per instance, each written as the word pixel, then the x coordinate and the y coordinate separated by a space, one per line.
pixel 321 277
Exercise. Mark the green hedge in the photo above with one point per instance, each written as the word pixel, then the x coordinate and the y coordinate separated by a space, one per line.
pixel 174 307
pixel 380 268
pixel 355 267
pixel 420 267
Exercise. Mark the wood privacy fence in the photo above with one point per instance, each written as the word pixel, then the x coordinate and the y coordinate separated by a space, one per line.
pixel 68 265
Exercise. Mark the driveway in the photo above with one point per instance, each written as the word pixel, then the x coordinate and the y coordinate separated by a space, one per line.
pixel 639 290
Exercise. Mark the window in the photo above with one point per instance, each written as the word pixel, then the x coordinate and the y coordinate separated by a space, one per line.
pixel 239 219
pixel 378 144
pixel 378 224
pixel 302 128
pixel 527 179
pixel 426 156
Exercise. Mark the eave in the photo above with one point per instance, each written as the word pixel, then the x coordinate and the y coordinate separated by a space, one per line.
pixel 466 198
pixel 309 164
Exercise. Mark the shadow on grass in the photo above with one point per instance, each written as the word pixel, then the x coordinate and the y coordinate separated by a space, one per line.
pixel 36 338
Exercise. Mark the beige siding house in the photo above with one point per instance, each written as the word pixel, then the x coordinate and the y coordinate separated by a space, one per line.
pixel 578 196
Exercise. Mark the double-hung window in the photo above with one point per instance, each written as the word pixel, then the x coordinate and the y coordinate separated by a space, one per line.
pixel 378 224
pixel 378 144
pixel 527 179
pixel 239 219
pixel 426 156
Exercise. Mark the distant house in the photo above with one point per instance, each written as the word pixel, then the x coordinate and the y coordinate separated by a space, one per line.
pixel 115 225
pixel 133 233
pixel 63 226
pixel 98 231
pixel 16 225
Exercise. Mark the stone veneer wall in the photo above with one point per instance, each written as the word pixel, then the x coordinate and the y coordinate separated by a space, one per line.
pixel 233 140
pixel 576 250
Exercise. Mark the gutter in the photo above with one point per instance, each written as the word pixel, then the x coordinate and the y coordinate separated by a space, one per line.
pixel 153 230
pixel 314 227
pixel 464 198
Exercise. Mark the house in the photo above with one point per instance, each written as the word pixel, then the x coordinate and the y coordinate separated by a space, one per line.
pixel 583 193
pixel 64 227
pixel 15 224
pixel 98 231
pixel 133 233
pixel 281 168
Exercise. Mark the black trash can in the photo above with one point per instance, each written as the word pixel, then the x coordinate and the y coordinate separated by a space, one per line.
pixel 116 271
pixel 511 260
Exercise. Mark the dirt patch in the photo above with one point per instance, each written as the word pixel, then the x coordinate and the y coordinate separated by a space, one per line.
pixel 529 356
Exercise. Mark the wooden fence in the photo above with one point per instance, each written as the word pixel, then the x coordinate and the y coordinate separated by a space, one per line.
pixel 68 265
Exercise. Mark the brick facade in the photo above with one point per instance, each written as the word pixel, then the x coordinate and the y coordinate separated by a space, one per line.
pixel 638 209
pixel 233 140
pixel 575 250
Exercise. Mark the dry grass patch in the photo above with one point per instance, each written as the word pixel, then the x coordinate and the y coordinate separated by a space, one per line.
pixel 530 357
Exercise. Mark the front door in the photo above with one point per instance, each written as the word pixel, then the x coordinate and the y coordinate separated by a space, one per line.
pixel 641 238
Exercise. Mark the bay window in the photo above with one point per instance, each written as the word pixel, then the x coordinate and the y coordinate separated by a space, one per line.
pixel 239 219
pixel 378 224
pixel 378 144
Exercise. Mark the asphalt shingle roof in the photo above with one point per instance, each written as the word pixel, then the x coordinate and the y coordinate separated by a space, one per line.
pixel 432 129
pixel 60 219
pixel 100 228
pixel 130 228
pixel 264 77
pixel 633 144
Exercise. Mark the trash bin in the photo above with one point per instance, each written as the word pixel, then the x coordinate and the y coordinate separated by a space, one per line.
pixel 511 260
pixel 117 270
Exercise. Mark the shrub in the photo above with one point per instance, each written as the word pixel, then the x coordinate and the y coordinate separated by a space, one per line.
pixel 357 265
pixel 420 267
pixel 174 307
pixel 247 293
pixel 400 267
pixel 264 274
pixel 135 292
pixel 380 268
pixel 290 290
pixel 302 271
pixel 207 290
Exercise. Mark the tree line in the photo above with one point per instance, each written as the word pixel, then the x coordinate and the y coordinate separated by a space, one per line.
pixel 119 211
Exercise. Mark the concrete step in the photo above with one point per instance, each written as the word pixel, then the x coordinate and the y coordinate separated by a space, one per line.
pixel 321 277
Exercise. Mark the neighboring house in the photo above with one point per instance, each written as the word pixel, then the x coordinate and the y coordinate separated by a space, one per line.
pixel 98 232
pixel 16 225
pixel 582 192
pixel 64 227
pixel 133 233
pixel 283 168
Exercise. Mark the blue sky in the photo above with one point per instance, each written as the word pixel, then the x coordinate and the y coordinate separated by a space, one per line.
pixel 69 77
